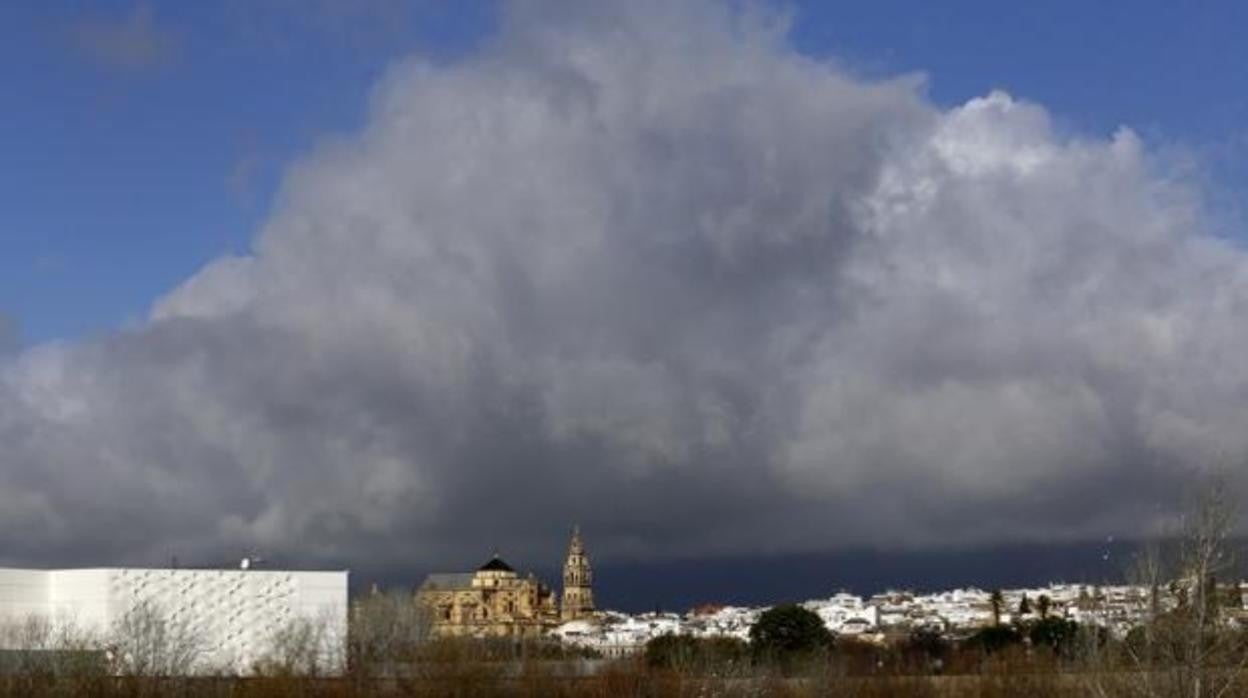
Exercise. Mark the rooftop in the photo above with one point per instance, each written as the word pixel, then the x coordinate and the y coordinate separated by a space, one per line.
pixel 496 564
pixel 452 580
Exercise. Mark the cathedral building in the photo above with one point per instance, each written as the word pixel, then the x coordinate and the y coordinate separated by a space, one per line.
pixel 495 601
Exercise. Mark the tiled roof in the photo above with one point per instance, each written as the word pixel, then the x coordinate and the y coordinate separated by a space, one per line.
pixel 451 580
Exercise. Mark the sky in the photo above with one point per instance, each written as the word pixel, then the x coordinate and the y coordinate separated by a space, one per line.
pixel 386 284
pixel 170 137
pixel 168 126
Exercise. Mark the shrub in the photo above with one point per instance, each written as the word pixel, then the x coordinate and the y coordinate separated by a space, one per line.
pixel 688 653
pixel 789 632
pixel 1058 634
pixel 994 638
pixel 925 648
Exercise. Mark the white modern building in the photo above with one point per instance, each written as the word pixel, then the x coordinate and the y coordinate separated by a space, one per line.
pixel 195 620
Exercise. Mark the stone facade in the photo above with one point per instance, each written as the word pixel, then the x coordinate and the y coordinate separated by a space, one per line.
pixel 495 601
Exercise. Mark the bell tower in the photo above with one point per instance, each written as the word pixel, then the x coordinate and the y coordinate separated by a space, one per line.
pixel 578 579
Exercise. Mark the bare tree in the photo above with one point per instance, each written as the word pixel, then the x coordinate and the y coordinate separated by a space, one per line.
pixel 44 646
pixel 1197 642
pixel 386 632
pixel 1184 645
pixel 147 641
pixel 305 647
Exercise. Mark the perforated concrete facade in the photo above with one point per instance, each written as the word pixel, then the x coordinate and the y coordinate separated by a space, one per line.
pixel 232 617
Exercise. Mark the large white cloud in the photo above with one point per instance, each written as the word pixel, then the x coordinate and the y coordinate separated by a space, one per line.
pixel 646 267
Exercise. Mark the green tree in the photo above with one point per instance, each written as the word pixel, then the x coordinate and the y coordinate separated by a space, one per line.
pixel 998 601
pixel 788 632
pixel 1043 604
pixel 1024 606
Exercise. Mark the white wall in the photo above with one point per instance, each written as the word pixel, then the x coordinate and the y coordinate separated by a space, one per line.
pixel 230 618
pixel 80 599
pixel 22 593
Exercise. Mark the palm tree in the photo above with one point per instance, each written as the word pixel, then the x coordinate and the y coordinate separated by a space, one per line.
pixel 998 600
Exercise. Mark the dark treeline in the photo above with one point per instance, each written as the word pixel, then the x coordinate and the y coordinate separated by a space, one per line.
pixel 1190 650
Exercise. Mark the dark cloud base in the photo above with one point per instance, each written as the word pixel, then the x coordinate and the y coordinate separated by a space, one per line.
pixel 678 585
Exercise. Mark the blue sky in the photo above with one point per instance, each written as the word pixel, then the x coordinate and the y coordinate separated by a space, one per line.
pixel 141 140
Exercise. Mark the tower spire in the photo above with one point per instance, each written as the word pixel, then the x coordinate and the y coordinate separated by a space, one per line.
pixel 578 578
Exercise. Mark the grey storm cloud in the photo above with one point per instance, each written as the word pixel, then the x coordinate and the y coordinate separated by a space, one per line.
pixel 646 267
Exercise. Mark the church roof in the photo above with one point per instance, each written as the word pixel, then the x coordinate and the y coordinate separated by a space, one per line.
pixel 495 564
pixel 452 580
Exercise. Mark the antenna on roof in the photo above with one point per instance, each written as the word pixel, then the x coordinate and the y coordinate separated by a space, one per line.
pixel 250 561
